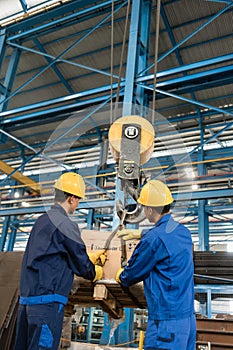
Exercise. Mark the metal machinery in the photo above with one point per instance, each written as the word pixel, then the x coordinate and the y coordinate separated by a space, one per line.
pixel 131 141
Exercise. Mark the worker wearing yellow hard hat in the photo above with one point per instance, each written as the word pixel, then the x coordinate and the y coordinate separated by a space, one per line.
pixel 155 194
pixel 163 261
pixel 55 252
pixel 71 183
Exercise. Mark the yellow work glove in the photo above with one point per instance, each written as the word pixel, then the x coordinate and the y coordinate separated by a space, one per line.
pixel 130 233
pixel 98 273
pixel 98 257
pixel 117 278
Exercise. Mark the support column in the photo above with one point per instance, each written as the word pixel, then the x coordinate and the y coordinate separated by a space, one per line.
pixel 138 53
pixel 3 236
pixel 12 235
pixel 9 79
pixel 203 219
pixel 122 334
pixel 2 46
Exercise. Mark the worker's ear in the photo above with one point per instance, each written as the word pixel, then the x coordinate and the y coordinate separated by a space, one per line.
pixel 70 199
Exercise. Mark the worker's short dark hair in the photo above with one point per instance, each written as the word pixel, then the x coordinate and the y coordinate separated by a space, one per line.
pixel 162 210
pixel 61 196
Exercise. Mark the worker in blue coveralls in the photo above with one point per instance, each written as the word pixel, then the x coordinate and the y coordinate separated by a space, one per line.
pixel 55 252
pixel 163 260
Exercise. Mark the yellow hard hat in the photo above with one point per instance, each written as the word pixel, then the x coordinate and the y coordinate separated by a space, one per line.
pixel 155 194
pixel 71 183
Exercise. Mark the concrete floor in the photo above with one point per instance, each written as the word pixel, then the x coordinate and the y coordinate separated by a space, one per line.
pixel 85 346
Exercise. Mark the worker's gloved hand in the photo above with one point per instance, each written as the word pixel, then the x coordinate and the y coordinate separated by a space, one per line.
pixel 98 273
pixel 130 233
pixel 117 278
pixel 98 257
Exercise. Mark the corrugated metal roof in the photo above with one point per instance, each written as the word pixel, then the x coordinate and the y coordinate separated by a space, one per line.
pixel 13 9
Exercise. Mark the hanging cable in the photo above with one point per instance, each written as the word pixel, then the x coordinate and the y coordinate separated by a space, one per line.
pixel 156 57
pixel 112 58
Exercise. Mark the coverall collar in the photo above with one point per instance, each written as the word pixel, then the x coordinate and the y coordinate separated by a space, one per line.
pixel 163 219
pixel 58 207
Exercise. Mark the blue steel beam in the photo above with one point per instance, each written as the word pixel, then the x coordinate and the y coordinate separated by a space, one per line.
pixel 12 234
pixel 175 27
pixel 173 42
pixel 13 121
pixel 203 220
pixel 185 196
pixel 66 8
pixel 21 143
pixel 24 5
pixel 41 209
pixel 131 58
pixel 196 78
pixel 55 68
pixel 229 125
pixel 3 90
pixel 106 88
pixel 2 46
pixel 205 83
pixel 198 103
pixel 210 156
pixel 197 81
pixel 45 134
pixel 221 1
pixel 216 209
pixel 50 144
pixel 56 59
pixel 4 232
pixel 143 49
pixel 82 94
pixel 210 20
pixel 78 95
pixel 195 149
pixel 204 194
pixel 217 154
pixel 201 19
pixel 28 28
pixel 6 223
pixel 9 78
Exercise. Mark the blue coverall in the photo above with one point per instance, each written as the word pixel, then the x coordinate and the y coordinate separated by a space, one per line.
pixel 163 260
pixel 54 253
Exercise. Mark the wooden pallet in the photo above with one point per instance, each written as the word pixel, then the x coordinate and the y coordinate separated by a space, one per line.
pixel 109 294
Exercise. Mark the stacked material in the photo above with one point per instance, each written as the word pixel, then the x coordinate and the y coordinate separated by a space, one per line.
pixel 218 266
pixel 217 334
pixel 10 264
